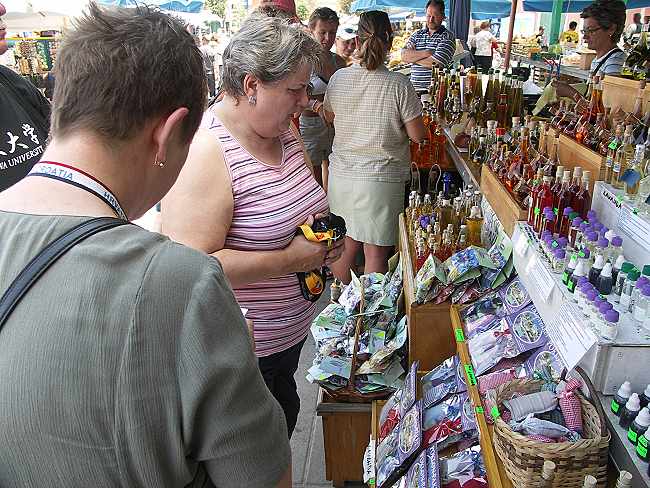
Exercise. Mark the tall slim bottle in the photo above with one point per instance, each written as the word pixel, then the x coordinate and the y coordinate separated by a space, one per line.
pixel 474 225
pixel 544 199
pixel 535 186
pixel 624 154
pixel 562 200
pixel 581 203
pixel 612 147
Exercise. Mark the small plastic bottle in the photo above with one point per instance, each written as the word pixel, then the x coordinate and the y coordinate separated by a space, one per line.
pixel 592 241
pixel 570 268
pixel 594 311
pixel 580 271
pixel 639 426
pixel 597 227
pixel 609 235
pixel 638 290
pixel 624 480
pixel 621 276
pixel 628 289
pixel 631 410
pixel 621 398
pixel 616 249
pixel 548 474
pixel 641 304
pixel 573 231
pixel 644 397
pixel 592 216
pixel 579 289
pixel 581 237
pixel 596 269
pixel 562 242
pixel 602 249
pixel 559 261
pixel 590 296
pixel 605 280
pixel 590 482
pixel 582 294
pixel 609 331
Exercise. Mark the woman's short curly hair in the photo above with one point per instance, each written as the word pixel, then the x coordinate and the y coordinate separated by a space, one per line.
pixel 607 13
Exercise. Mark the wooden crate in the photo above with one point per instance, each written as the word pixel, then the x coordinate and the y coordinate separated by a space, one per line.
pixel 429 325
pixel 346 431
pixel 621 92
pixel 504 205
pixel 573 154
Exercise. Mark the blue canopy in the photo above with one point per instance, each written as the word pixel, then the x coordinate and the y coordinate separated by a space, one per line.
pixel 573 6
pixel 188 6
pixel 481 9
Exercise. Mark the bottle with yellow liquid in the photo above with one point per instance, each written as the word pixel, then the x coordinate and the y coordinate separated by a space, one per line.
pixel 474 226
pixel 634 173
pixel 624 155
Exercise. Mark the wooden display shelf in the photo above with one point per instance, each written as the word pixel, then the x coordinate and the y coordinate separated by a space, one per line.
pixel 497 477
pixel 504 205
pixel 573 154
pixel 346 430
pixel 429 325
pixel 622 92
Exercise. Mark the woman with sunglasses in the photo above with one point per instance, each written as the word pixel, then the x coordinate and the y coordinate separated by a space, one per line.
pixel 603 25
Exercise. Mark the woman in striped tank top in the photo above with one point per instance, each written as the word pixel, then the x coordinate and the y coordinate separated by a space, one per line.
pixel 245 189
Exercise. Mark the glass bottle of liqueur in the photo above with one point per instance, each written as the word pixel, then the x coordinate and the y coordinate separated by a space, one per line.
pixel 441 96
pixel 553 161
pixel 559 113
pixel 556 186
pixel 540 159
pixel 519 160
pixel 644 184
pixel 562 200
pixel 581 202
pixel 497 84
pixel 521 189
pixel 535 186
pixel 592 136
pixel 634 173
pixel 612 147
pixel 624 154
pixel 458 217
pixel 489 90
pixel 474 226
pixel 544 199
pixel 502 111
pixel 473 141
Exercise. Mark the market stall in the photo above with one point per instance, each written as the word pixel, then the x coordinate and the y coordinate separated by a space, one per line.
pixel 523 273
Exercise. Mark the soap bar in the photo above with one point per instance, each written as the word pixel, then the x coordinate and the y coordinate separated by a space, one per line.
pixel 533 403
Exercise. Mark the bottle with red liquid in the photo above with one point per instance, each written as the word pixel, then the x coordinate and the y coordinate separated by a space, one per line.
pixel 502 111
pixel 562 200
pixel 556 186
pixel 519 162
pixel 548 222
pixel 575 183
pixel 581 201
pixel 544 199
pixel 565 223
pixel 535 186
pixel 550 168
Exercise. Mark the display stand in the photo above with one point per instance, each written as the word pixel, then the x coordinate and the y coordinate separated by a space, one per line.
pixel 429 325
pixel 346 430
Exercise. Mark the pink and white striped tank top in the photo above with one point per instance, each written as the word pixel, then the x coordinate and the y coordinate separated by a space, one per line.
pixel 270 202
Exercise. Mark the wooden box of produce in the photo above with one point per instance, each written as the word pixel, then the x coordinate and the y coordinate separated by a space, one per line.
pixel 622 92
pixel 429 327
pixel 346 430
pixel 573 154
pixel 502 202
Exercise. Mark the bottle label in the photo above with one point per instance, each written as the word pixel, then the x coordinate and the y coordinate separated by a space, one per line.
pixel 642 447
pixel 460 337
pixel 571 286
pixel 615 406
pixel 617 167
pixel 565 277
pixel 632 436
pixel 471 377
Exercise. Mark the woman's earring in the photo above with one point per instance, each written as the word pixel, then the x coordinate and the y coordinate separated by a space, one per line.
pixel 252 100
pixel 160 164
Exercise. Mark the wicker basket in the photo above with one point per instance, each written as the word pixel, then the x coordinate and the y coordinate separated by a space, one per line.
pixel 523 458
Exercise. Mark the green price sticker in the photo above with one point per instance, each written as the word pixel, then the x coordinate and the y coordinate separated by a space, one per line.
pixel 571 285
pixel 537 211
pixel 471 378
pixel 556 210
pixel 460 337
pixel 642 451
pixel 633 436
pixel 643 441
pixel 613 145
pixel 554 245
pixel 480 410
pixel 565 277
pixel 635 211
pixel 495 412
pixel 619 199
pixel 615 406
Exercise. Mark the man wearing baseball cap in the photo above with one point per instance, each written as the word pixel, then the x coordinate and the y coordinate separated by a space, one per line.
pixel 24 121
pixel 346 42
pixel 286 6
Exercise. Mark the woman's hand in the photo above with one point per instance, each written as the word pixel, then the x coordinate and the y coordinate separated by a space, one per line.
pixel 303 255
pixel 335 252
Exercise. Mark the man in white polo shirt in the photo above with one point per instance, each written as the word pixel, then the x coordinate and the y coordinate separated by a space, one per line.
pixel 434 44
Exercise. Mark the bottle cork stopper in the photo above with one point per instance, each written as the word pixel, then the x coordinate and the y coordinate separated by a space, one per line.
pixel 624 480
pixel 548 470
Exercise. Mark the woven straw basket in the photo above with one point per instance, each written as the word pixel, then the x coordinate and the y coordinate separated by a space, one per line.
pixel 523 458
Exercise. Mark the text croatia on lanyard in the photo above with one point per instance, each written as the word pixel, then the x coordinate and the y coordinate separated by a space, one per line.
pixel 80 179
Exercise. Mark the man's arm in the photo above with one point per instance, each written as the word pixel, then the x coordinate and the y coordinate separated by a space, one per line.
pixel 444 52
pixel 414 56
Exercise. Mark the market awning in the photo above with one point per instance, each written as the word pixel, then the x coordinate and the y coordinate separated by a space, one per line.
pixel 573 6
pixel 481 9
pixel 34 21
pixel 189 6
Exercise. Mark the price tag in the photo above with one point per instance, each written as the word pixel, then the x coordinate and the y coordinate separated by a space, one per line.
pixel 615 406
pixel 460 337
pixel 642 448
pixel 495 412
pixel 565 277
pixel 480 410
pixel 633 436
pixel 471 378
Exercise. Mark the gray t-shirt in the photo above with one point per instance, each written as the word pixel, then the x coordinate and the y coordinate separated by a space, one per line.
pixel 128 364
pixel 371 108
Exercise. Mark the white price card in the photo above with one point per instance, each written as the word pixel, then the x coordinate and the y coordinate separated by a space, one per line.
pixel 570 334
pixel 369 464
pixel 634 227
pixel 540 278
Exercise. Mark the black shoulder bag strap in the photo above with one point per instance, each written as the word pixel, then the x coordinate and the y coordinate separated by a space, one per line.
pixel 47 257
pixel 604 60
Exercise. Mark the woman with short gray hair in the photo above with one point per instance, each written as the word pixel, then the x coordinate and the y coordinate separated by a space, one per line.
pixel 245 189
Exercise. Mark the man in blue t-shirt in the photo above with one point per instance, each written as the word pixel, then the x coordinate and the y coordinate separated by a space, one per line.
pixel 433 45
pixel 24 121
